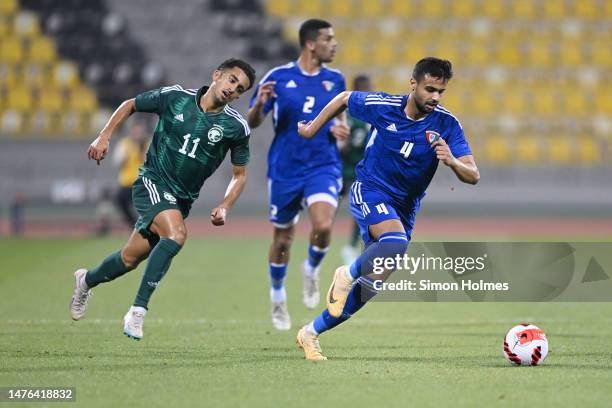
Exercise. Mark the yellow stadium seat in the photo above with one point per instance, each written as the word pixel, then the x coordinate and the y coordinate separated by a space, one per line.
pixel 26 24
pixel 498 150
pixel 477 54
pixel 529 150
pixel 42 49
pixel 494 9
pixel 453 101
pixel 8 7
pixel 20 98
pixel 44 123
pixel 413 51
pixel 522 9
pixel 589 150
pixel 340 9
pixel 513 101
pixel 310 8
pixel 34 74
pixel 12 122
pixel 463 8
pixel 539 54
pixel 508 53
pixel 51 99
pixel 8 75
pixel 603 102
pixel 546 102
pixel 607 10
pixel 600 53
pixel 74 123
pixel 385 55
pixel 450 51
pixel 431 9
pixel 353 54
pixel 401 8
pixel 83 100
pixel 561 150
pixel 585 9
pixel 575 104
pixel 65 74
pixel 5 26
pixel 370 9
pixel 283 8
pixel 11 50
pixel 554 9
pixel 483 104
pixel 570 54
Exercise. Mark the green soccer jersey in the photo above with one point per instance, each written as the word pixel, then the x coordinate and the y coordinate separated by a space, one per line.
pixel 189 144
pixel 355 149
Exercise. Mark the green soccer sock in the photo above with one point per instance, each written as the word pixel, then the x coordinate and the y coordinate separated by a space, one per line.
pixel 111 268
pixel 157 266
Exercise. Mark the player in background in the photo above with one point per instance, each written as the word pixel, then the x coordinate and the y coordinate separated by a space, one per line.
pixel 129 155
pixel 196 129
pixel 351 153
pixel 301 170
pixel 411 134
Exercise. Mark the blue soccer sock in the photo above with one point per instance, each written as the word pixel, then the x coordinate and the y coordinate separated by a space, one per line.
pixel 361 292
pixel 278 272
pixel 315 256
pixel 388 245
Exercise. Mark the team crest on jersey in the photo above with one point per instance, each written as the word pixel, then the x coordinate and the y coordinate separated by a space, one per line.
pixel 169 197
pixel 215 134
pixel 328 85
pixel 431 136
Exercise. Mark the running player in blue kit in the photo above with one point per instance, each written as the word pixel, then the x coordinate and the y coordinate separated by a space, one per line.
pixel 300 171
pixel 410 135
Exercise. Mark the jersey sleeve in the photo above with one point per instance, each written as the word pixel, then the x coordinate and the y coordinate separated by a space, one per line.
pixel 151 101
pixel 457 142
pixel 239 151
pixel 359 107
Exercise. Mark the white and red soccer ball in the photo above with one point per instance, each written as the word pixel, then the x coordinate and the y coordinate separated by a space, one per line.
pixel 525 344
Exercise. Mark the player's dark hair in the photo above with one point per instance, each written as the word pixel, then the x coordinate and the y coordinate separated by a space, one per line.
pixel 309 30
pixel 435 67
pixel 243 65
pixel 360 80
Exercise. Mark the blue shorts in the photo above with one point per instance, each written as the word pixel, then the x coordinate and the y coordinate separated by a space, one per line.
pixel 370 206
pixel 288 198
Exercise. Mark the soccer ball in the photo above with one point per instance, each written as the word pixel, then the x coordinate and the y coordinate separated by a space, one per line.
pixel 525 344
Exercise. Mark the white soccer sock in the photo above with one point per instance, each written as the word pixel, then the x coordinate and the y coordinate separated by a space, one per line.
pixel 138 309
pixel 311 329
pixel 278 295
pixel 309 271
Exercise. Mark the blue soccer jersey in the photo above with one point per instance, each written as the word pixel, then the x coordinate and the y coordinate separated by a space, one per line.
pixel 399 159
pixel 300 96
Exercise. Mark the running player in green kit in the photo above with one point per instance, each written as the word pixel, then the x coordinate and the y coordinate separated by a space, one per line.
pixel 195 131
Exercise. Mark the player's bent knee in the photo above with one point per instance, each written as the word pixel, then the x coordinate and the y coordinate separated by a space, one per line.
pixel 130 261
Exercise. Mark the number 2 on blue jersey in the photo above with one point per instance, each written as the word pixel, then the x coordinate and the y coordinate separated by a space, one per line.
pixel 309 104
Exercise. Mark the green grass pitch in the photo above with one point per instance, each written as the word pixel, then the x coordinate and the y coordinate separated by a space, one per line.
pixel 208 340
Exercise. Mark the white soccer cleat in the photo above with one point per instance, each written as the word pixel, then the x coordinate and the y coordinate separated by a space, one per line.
pixel 133 321
pixel 80 295
pixel 309 342
pixel 280 316
pixel 310 286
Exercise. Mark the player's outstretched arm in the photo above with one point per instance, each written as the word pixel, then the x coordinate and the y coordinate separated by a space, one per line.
pixel 334 108
pixel 464 167
pixel 99 147
pixel 234 189
pixel 256 115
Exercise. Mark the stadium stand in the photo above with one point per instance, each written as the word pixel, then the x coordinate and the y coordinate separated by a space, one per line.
pixel 529 73
pixel 56 76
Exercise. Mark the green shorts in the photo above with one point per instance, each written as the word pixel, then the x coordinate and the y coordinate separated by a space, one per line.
pixel 150 198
